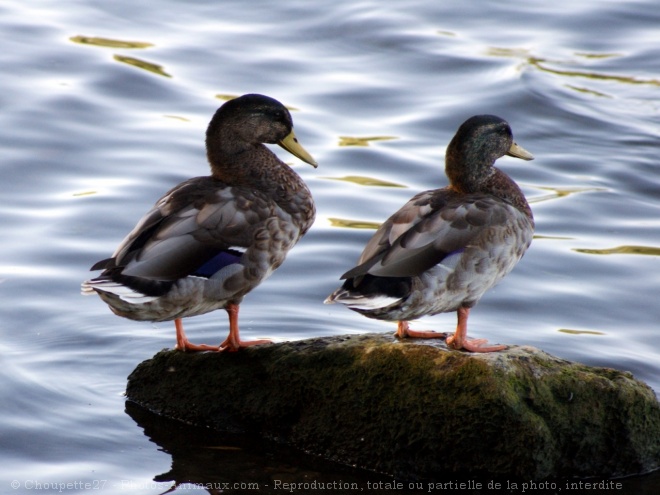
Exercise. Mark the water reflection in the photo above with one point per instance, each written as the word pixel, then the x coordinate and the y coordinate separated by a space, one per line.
pixel 142 64
pixel 217 462
pixel 643 250
pixel 213 462
pixel 226 97
pixel 109 43
pixel 129 45
pixel 539 64
pixel 353 224
pixel 362 141
pixel 561 192
pixel 588 91
pixel 543 65
pixel 366 181
pixel 580 332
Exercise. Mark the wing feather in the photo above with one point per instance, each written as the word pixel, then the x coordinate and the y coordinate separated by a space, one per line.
pixel 432 227
pixel 188 227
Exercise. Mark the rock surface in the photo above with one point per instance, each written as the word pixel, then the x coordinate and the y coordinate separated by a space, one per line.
pixel 414 409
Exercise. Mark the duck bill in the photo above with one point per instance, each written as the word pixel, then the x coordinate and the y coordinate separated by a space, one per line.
pixel 291 144
pixel 519 152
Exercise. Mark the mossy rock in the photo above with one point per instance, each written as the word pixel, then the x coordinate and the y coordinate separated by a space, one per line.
pixel 416 410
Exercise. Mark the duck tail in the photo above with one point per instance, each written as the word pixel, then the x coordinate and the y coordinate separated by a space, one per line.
pixel 369 293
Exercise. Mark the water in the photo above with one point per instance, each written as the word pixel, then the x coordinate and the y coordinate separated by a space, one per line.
pixel 93 134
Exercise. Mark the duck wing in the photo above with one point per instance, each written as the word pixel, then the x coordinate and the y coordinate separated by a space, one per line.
pixel 189 226
pixel 431 228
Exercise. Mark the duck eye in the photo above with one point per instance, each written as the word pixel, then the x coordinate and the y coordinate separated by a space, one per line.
pixel 279 116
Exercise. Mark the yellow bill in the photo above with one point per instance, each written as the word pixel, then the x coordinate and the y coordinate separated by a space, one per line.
pixel 519 152
pixel 291 144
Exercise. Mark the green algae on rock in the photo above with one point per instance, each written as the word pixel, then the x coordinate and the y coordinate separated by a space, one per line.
pixel 414 409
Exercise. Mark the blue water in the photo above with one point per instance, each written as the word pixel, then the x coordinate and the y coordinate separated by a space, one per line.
pixel 93 134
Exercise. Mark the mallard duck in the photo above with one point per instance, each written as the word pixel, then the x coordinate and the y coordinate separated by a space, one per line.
pixel 446 247
pixel 211 240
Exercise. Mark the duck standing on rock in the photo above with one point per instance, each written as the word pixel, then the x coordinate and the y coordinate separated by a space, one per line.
pixel 446 247
pixel 211 240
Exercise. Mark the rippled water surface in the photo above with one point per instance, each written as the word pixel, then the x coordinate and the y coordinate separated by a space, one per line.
pixel 103 107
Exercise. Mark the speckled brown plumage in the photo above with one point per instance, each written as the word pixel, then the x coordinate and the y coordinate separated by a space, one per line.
pixel 446 247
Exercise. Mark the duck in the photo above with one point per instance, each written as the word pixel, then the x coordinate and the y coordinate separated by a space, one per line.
pixel 446 247
pixel 210 240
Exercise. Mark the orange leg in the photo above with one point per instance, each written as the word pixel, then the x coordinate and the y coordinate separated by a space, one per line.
pixel 233 342
pixel 403 330
pixel 183 344
pixel 460 340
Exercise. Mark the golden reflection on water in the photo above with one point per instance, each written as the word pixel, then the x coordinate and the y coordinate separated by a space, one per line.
pixel 561 192
pixel 553 237
pixel 537 62
pixel 642 250
pixel 598 55
pixel 113 43
pixel 362 141
pixel 177 117
pixel 366 181
pixel 580 332
pixel 587 91
pixel 225 96
pixel 352 224
pixel 109 43
pixel 543 65
pixel 362 181
pixel 84 193
pixel 142 64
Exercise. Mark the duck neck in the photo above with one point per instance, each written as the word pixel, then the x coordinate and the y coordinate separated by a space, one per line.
pixel 258 168
pixel 487 180
pixel 500 185
pixel 237 166
pixel 467 179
